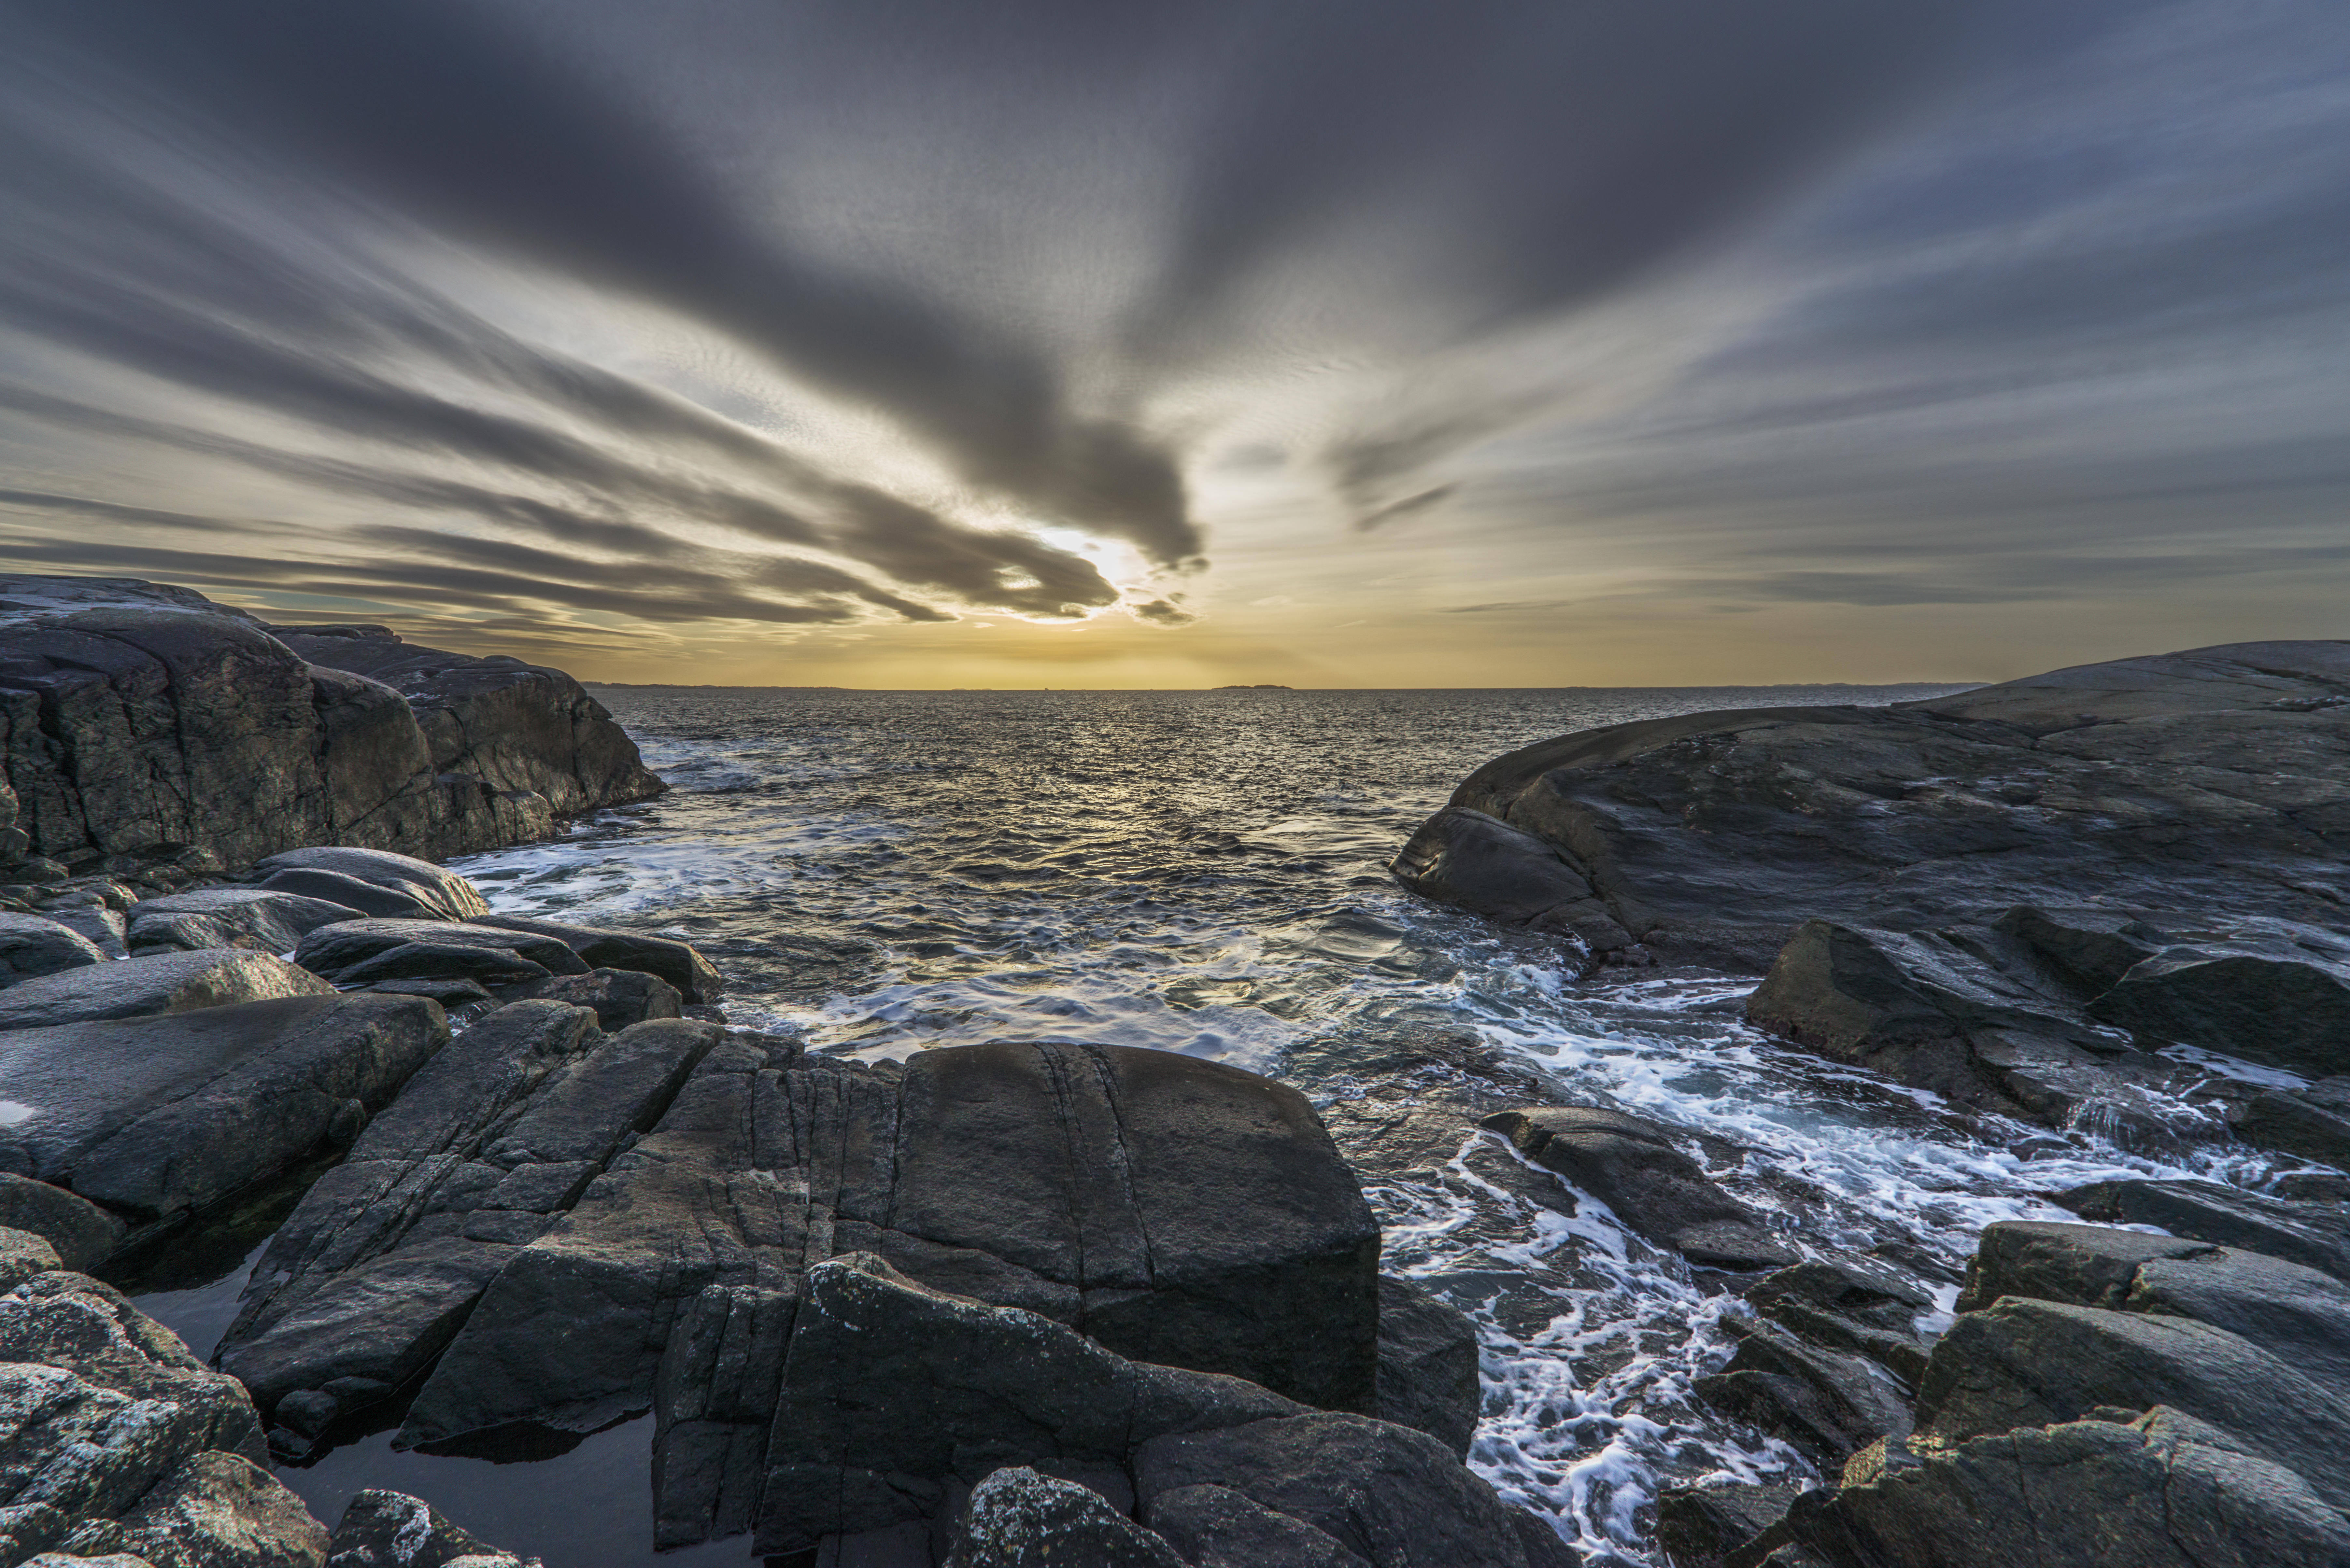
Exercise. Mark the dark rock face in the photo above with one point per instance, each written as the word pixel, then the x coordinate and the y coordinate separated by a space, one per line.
pixel 165 982
pixel 1484 866
pixel 2287 1006
pixel 618 997
pixel 81 1231
pixel 389 886
pixel 1826 1403
pixel 32 946
pixel 673 960
pixel 519 728
pixel 2315 1235
pixel 1629 1164
pixel 351 952
pixel 2313 1123
pixel 2155 781
pixel 229 918
pixel 157 1116
pixel 1845 1304
pixel 138 719
pixel 1427 1364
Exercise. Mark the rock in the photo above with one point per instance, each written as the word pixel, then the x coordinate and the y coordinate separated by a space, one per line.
pixel 2163 1491
pixel 99 926
pixel 382 1260
pixel 2022 1362
pixel 82 1232
pixel 35 945
pixel 156 983
pixel 1482 864
pixel 1392 1497
pixel 2315 1235
pixel 104 1403
pixel 23 1255
pixel 231 918
pixel 1847 1304
pixel 673 960
pixel 1018 1517
pixel 392 1529
pixel 2206 782
pixel 403 887
pixel 620 997
pixel 1216 1527
pixel 1427 1364
pixel 216 1508
pixel 1699 1526
pixel 450 993
pixel 1826 1402
pixel 2297 1314
pixel 155 1115
pixel 1629 1164
pixel 519 728
pixel 1093 1185
pixel 358 953
pixel 890 1389
pixel 2090 949
pixel 2313 1123
pixel 2286 1008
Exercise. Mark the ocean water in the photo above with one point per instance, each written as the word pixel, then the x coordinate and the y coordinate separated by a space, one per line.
pixel 1206 872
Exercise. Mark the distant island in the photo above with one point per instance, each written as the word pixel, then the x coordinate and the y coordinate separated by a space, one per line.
pixel 1260 685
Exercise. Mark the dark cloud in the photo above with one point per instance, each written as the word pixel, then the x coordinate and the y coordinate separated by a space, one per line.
pixel 1164 612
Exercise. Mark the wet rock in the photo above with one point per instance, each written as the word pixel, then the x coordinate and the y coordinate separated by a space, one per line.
pixel 216 1508
pixel 1392 1497
pixel 2313 1123
pixel 1851 1305
pixel 2088 949
pixel 392 1529
pixel 1699 1526
pixel 158 1116
pixel 104 1404
pixel 380 1263
pixel 157 984
pixel 1707 837
pixel 1827 1404
pixel 2289 1007
pixel 230 917
pixel 34 945
pixel 402 887
pixel 344 952
pixel 673 960
pixel 618 997
pixel 1427 1364
pixel 2024 1362
pixel 82 1232
pixel 2163 1491
pixel 519 728
pixel 1629 1164
pixel 1482 864
pixel 2315 1235
pixel 2296 1314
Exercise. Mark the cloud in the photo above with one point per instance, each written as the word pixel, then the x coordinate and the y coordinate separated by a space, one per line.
pixel 1162 612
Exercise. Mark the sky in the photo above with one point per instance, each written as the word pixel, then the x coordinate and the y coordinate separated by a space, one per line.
pixel 920 343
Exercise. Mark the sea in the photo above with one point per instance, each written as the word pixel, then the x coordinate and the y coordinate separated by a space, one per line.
pixel 888 872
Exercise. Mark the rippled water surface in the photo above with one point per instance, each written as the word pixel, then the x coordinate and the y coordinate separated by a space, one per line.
pixel 1206 872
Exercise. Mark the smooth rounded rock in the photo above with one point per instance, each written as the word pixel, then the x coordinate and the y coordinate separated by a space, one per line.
pixel 154 983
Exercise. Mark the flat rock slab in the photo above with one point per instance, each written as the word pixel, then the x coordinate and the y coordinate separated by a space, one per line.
pixel 34 945
pixel 2315 1235
pixel 2209 781
pixel 153 984
pixel 157 1115
pixel 257 918
pixel 402 885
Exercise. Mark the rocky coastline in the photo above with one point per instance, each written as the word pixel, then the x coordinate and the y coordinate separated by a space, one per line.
pixel 2110 897
pixel 1018 1302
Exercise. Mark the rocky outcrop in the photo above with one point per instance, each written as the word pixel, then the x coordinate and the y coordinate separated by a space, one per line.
pixel 158 983
pixel 2206 782
pixel 138 720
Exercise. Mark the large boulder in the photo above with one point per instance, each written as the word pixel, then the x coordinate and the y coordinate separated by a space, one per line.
pixel 1097 1186
pixel 81 1232
pixel 158 1114
pixel 2316 1235
pixel 164 982
pixel 1484 865
pixel 351 952
pixel 138 720
pixel 1629 1164
pixel 517 727
pixel 1017 1516
pixel 618 997
pixel 254 918
pixel 1427 1364
pixel 374 881
pixel 2210 782
pixel 392 1529
pixel 32 946
pixel 2164 1490
pixel 1828 1404
pixel 2313 1123
pixel 2286 1006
